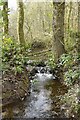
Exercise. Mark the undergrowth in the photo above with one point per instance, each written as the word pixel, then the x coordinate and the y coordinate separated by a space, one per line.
pixel 14 57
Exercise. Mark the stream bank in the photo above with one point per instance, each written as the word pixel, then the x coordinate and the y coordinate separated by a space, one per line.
pixel 14 87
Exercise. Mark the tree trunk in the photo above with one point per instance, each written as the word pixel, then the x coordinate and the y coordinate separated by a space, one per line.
pixel 20 30
pixel 5 18
pixel 78 42
pixel 58 29
pixel 69 16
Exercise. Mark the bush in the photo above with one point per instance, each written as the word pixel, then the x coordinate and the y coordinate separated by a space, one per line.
pixel 50 61
pixel 71 76
pixel 72 73
pixel 13 56
pixel 66 60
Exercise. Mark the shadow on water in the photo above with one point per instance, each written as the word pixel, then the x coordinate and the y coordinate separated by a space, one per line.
pixel 43 101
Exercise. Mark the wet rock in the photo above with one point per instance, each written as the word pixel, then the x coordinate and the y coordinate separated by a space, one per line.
pixel 54 78
pixel 51 71
pixel 41 64
pixel 34 71
pixel 29 68
pixel 43 70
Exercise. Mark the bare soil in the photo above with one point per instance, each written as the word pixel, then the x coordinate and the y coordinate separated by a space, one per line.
pixel 14 87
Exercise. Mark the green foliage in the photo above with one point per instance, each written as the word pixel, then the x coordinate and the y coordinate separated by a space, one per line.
pixel 1 23
pixel 71 100
pixel 14 57
pixel 70 41
pixel 74 34
pixel 71 76
pixel 72 73
pixel 51 61
pixel 66 60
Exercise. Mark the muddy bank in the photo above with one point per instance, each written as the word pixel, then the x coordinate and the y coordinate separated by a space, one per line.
pixel 14 87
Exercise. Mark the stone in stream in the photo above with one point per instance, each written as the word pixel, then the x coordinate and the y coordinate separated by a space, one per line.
pixel 34 71
pixel 41 64
pixel 29 68
pixel 43 70
pixel 51 71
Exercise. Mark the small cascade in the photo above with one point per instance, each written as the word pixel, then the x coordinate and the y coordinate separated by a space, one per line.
pixel 43 73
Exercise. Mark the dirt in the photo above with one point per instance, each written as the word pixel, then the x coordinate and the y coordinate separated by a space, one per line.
pixel 14 87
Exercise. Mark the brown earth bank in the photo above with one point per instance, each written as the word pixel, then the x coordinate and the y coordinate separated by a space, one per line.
pixel 14 87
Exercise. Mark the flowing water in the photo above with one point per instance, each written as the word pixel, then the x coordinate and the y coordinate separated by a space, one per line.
pixel 43 100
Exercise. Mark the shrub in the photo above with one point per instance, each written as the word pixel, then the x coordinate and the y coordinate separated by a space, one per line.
pixel 13 56
pixel 51 61
pixel 72 73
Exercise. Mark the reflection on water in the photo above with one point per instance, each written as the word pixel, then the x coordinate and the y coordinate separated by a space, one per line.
pixel 43 101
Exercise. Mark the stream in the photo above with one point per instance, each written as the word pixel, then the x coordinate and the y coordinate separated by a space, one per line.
pixel 43 100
